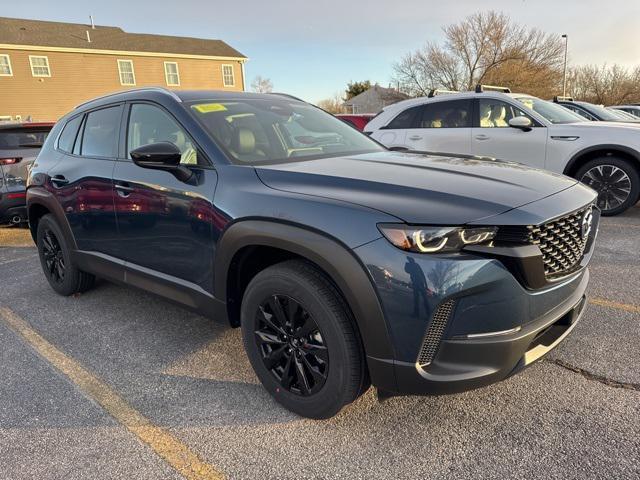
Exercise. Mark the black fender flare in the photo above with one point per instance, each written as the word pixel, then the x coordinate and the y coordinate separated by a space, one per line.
pixel 576 157
pixel 40 196
pixel 332 256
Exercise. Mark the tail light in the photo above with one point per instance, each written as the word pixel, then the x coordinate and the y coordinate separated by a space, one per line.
pixel 16 195
pixel 10 161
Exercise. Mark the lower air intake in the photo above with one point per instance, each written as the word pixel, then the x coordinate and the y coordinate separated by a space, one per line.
pixel 434 333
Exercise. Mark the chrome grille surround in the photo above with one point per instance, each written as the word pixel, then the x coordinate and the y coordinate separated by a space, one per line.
pixel 434 333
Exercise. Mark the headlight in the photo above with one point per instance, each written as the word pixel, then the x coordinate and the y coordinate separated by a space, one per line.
pixel 436 239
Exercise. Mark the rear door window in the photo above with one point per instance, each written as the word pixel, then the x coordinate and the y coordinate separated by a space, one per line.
pixel 447 114
pixel 406 119
pixel 100 134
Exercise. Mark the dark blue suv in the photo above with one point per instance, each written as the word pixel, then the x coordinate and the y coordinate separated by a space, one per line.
pixel 345 264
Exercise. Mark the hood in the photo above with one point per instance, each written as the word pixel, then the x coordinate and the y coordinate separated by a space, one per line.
pixel 597 124
pixel 417 188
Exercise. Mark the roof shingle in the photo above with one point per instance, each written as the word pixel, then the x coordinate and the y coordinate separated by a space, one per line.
pixel 16 31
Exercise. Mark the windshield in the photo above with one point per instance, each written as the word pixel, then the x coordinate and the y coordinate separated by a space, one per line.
pixel 627 117
pixel 551 111
pixel 257 130
pixel 22 138
pixel 602 113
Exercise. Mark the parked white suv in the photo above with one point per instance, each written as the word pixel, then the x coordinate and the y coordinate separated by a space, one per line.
pixel 520 128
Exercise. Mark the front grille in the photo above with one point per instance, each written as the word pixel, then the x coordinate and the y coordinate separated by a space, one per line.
pixel 560 241
pixel 434 333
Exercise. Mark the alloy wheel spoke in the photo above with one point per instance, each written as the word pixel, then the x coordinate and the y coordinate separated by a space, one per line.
pixel 278 311
pixel 270 338
pixel 287 374
pixel 269 320
pixel 307 328
pixel 319 351
pixel 274 357
pixel 317 375
pixel 303 381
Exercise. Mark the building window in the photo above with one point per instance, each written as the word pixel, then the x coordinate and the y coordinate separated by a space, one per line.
pixel 39 66
pixel 171 74
pixel 5 66
pixel 125 69
pixel 227 76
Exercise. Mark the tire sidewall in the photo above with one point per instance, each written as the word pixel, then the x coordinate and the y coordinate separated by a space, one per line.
pixel 624 165
pixel 330 398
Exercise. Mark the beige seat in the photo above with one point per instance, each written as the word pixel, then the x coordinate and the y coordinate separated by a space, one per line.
pixel 243 146
pixel 485 116
pixel 498 116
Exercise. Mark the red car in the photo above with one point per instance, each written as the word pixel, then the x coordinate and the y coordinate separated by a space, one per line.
pixel 19 146
pixel 358 121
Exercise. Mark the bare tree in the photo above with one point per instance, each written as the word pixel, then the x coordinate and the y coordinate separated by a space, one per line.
pixel 484 48
pixel 334 104
pixel 607 85
pixel 262 85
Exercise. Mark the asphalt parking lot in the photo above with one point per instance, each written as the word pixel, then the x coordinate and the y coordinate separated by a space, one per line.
pixel 116 383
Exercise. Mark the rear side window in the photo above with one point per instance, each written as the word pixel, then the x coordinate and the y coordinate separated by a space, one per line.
pixel 100 135
pixel 406 119
pixel 68 135
pixel 449 114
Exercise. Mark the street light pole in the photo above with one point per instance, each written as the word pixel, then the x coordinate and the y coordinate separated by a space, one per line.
pixel 564 74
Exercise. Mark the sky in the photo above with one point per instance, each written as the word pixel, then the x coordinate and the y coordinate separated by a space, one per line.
pixel 313 49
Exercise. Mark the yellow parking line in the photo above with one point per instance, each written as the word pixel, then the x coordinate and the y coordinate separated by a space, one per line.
pixel 618 306
pixel 165 445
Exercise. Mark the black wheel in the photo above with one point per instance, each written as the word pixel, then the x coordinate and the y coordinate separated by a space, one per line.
pixel 63 276
pixel 615 179
pixel 301 340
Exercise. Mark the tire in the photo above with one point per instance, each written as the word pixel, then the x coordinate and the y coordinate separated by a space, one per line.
pixel 300 288
pixel 55 257
pixel 612 177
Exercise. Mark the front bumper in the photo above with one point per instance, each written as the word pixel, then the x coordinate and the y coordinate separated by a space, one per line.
pixel 495 328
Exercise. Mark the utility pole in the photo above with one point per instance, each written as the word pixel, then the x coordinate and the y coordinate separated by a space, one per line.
pixel 564 74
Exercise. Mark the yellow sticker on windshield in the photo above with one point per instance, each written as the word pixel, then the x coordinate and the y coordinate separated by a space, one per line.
pixel 209 107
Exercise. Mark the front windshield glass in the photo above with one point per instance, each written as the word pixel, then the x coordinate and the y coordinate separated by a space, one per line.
pixel 258 130
pixel 602 113
pixel 551 111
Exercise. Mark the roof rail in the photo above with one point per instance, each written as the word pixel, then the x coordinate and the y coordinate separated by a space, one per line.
pixel 491 88
pixel 559 98
pixel 141 89
pixel 439 91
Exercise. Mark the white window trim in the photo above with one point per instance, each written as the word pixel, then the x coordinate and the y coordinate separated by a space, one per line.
pixel 133 72
pixel 33 74
pixel 10 74
pixel 166 74
pixel 233 75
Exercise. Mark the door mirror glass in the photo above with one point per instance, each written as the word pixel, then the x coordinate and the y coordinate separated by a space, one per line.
pixel 523 123
pixel 161 156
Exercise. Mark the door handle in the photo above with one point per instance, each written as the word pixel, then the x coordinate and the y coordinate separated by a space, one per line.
pixel 482 136
pixel 123 189
pixel 415 137
pixel 59 181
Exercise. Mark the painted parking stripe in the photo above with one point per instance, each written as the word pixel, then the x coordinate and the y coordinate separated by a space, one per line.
pixel 19 259
pixel 163 443
pixel 603 302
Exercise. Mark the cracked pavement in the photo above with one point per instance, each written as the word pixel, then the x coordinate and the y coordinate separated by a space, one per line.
pixel 574 415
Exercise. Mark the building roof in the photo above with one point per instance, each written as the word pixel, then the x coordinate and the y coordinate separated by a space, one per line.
pixel 16 31
pixel 386 95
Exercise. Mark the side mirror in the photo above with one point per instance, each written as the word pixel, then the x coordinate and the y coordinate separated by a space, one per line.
pixel 523 123
pixel 161 156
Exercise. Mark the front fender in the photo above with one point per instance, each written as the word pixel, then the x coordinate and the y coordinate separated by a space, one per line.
pixel 337 261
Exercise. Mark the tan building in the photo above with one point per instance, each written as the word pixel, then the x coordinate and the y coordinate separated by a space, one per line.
pixel 47 68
